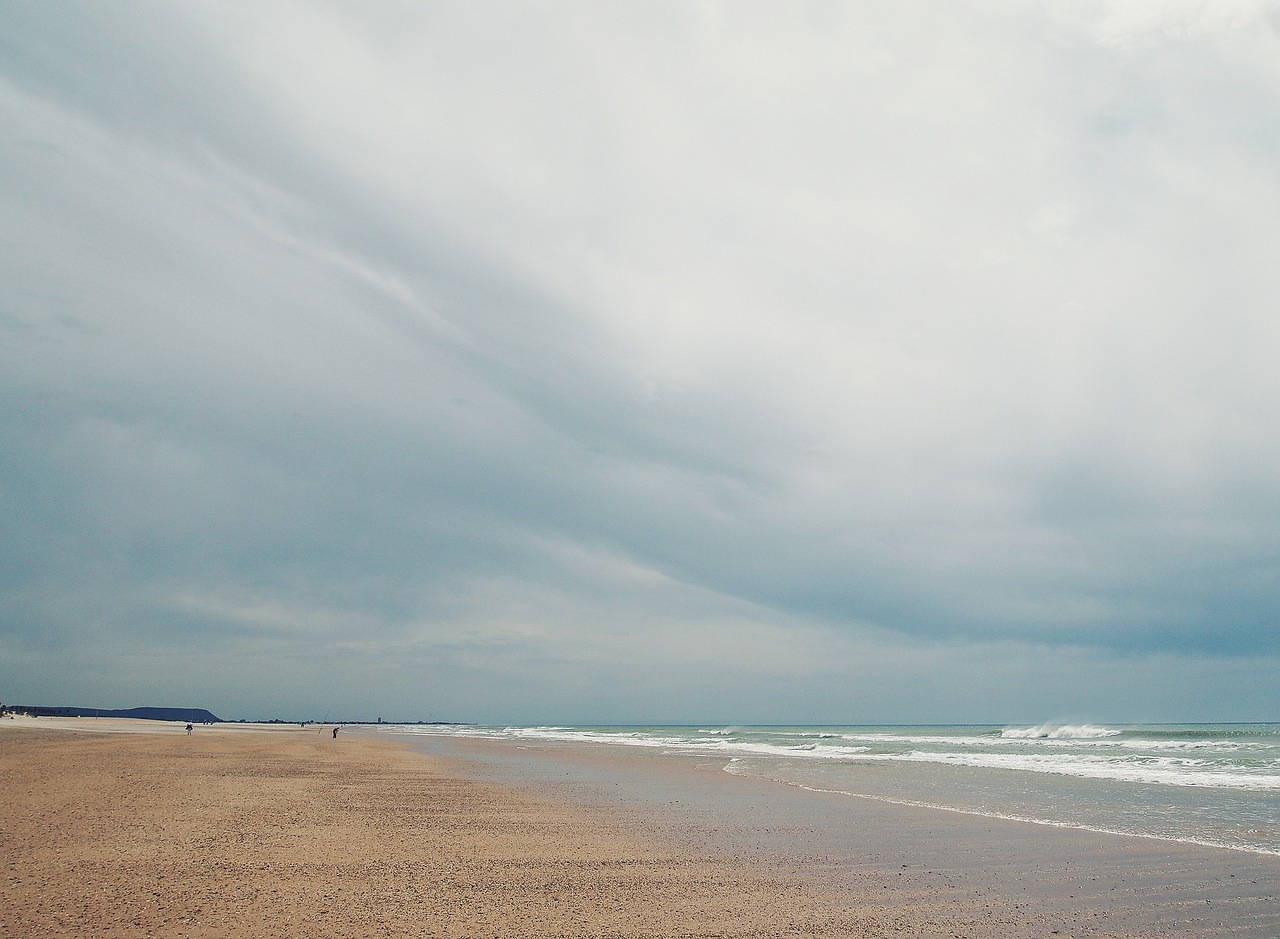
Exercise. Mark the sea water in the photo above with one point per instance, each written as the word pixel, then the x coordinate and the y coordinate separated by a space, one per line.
pixel 1216 785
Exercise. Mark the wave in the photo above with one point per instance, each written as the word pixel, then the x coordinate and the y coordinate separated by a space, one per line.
pixel 1167 771
pixel 1059 732
pixel 1075 750
pixel 700 741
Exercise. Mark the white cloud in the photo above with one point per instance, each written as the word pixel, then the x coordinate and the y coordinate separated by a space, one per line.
pixel 1126 23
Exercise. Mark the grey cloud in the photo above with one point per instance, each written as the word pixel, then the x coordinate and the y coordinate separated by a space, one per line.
pixel 649 348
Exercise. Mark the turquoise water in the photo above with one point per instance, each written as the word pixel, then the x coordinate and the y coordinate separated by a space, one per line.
pixel 1216 785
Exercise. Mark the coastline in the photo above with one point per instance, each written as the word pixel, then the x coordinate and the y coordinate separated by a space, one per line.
pixel 995 876
pixel 275 831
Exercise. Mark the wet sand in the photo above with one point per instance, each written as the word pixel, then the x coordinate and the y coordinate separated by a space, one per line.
pixel 925 871
pixel 237 832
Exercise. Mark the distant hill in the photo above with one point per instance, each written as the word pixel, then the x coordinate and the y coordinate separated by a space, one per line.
pixel 190 715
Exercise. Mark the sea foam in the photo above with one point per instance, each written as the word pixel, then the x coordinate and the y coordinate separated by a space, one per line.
pixel 1059 732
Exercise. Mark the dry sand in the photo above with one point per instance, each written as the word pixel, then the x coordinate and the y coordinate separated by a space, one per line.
pixel 232 833
pixel 237 832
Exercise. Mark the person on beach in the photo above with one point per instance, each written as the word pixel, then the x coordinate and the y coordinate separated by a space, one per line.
pixel 335 733
pixel 188 730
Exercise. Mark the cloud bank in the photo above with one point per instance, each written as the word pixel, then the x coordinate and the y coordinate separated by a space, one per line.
pixel 642 362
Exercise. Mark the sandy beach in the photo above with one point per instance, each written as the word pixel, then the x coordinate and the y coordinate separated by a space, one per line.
pixel 294 833
pixel 243 832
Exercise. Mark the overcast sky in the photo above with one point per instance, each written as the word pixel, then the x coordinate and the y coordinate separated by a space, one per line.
pixel 642 361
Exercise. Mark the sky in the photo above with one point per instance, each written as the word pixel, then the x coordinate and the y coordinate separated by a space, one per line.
pixel 642 362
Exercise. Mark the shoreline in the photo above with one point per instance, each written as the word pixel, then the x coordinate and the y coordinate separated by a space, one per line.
pixel 1215 786
pixel 1080 881
pixel 273 830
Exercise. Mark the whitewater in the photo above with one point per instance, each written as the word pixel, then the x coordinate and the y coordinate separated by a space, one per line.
pixel 1216 785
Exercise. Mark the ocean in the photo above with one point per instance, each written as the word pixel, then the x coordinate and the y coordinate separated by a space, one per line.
pixel 1215 785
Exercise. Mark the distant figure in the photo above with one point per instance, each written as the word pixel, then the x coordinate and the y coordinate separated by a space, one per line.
pixel 335 733
pixel 188 730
